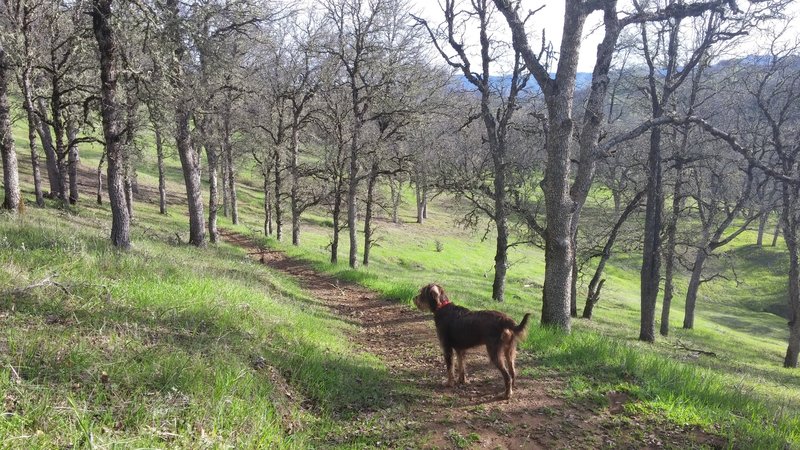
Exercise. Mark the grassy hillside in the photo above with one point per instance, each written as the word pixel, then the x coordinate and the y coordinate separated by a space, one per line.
pixel 120 313
pixel 166 345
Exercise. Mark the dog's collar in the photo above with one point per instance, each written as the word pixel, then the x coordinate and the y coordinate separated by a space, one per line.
pixel 442 305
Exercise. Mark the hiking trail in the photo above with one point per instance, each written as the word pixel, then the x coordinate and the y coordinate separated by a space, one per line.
pixel 470 416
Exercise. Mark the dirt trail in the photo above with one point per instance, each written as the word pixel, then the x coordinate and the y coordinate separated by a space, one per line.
pixel 469 416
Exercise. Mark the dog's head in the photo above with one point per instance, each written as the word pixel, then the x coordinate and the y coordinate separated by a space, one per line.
pixel 430 297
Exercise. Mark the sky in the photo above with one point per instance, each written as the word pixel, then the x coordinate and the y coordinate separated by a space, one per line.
pixel 551 18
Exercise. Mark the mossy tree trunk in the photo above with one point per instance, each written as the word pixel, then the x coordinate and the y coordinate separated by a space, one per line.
pixel 110 111
pixel 12 200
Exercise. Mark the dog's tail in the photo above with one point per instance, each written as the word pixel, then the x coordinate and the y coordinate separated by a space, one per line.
pixel 516 333
pixel 521 330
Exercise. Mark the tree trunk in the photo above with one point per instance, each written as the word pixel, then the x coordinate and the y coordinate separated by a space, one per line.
pixel 234 204
pixel 231 170
pixel 651 256
pixel 59 133
pixel 190 160
pixel 278 190
pixel 790 228
pixel 669 288
pixel 500 220
pixel 352 224
pixel 162 183
pixel 397 189
pixel 500 260
pixel 126 175
pixel 352 186
pixel 776 233
pixel 12 200
pixel 373 178
pixel 99 178
pixel 762 223
pixel 225 183
pixel 191 174
pixel 669 256
pixel 130 169
pixel 112 125
pixel 372 181
pixel 294 192
pixel 267 203
pixel 694 285
pixel 573 294
pixel 559 253
pixel 593 296
pixel 74 160
pixel 33 125
pixel 51 159
pixel 420 203
pixel 790 361
pixel 425 201
pixel 337 212
pixel 213 197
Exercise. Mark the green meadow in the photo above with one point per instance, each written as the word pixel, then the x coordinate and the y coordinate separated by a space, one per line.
pixel 172 346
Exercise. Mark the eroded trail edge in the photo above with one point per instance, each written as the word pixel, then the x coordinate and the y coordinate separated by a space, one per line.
pixel 470 416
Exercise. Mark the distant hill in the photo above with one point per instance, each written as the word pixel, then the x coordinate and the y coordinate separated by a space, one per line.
pixel 583 80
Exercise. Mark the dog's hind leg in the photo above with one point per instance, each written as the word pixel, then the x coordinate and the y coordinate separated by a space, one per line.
pixel 448 361
pixel 462 370
pixel 498 357
pixel 511 356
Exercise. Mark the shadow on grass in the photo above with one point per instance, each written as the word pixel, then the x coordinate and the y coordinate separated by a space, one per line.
pixel 745 324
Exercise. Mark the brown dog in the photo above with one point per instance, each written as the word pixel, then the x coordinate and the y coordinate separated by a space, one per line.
pixel 459 329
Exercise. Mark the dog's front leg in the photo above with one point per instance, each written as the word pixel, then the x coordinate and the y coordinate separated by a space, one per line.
pixel 462 369
pixel 448 361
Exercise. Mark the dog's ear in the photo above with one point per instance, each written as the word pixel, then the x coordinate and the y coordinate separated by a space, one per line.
pixel 423 299
pixel 437 295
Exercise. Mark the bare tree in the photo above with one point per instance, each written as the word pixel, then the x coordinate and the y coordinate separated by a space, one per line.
pixel 190 160
pixel 359 44
pixel 718 205
pixel 668 69
pixel 275 124
pixel 768 194
pixel 597 281
pixel 563 202
pixel 12 199
pixel 21 15
pixel 401 104
pixel 774 89
pixel 682 158
pixel 621 173
pixel 497 107
pixel 156 121
pixel 303 65
pixel 333 121
pixel 111 112
pixel 65 68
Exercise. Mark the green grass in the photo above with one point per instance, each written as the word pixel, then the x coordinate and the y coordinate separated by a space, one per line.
pixel 167 346
pixel 239 310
